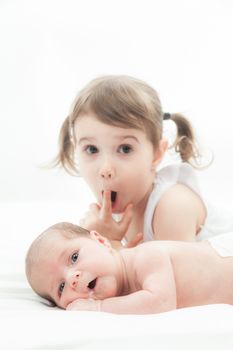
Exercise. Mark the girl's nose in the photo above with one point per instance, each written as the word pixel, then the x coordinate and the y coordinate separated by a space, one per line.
pixel 107 171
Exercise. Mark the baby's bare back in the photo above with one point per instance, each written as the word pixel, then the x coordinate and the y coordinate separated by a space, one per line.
pixel 202 276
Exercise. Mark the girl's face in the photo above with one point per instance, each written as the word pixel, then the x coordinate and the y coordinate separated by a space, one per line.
pixel 78 268
pixel 117 159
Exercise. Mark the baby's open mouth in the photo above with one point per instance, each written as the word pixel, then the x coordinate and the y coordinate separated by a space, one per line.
pixel 92 284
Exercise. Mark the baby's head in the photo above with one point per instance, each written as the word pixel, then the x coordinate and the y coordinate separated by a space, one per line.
pixel 67 262
pixel 43 246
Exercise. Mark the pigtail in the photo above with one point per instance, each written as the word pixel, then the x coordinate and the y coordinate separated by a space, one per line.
pixel 66 153
pixel 185 142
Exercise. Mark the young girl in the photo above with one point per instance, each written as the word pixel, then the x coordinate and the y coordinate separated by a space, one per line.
pixel 113 138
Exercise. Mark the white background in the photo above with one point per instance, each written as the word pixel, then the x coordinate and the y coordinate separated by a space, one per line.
pixel 52 48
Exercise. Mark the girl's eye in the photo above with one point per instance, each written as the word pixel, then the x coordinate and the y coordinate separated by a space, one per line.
pixel 74 257
pixel 91 149
pixel 61 287
pixel 125 149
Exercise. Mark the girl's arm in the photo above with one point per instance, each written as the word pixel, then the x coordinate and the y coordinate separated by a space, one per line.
pixel 178 215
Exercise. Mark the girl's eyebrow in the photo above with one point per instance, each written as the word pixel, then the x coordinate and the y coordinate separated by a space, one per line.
pixel 88 139
pixel 120 138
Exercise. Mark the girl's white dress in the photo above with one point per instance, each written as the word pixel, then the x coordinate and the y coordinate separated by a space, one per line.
pixel 218 221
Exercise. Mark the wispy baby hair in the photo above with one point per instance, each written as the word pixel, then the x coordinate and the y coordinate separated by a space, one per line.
pixel 126 102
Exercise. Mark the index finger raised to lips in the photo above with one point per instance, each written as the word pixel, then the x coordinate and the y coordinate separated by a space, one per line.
pixel 107 204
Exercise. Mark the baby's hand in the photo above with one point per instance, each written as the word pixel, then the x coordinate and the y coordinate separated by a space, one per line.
pixel 99 218
pixel 84 305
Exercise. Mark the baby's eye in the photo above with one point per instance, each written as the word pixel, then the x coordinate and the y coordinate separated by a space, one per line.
pixel 61 287
pixel 90 149
pixel 125 149
pixel 74 257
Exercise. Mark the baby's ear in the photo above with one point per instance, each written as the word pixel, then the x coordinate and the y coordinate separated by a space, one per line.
pixel 101 239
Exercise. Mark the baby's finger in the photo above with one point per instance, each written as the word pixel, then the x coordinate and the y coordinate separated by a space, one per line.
pixel 84 305
pixel 106 209
pixel 71 306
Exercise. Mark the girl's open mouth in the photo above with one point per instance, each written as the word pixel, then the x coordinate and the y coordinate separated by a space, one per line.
pixel 113 196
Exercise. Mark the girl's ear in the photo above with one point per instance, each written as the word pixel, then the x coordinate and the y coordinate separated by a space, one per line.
pixel 159 153
pixel 101 239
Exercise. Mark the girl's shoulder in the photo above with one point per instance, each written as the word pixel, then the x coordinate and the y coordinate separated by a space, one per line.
pixel 168 185
pixel 176 171
pixel 181 173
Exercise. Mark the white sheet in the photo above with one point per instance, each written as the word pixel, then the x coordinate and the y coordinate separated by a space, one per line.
pixel 27 322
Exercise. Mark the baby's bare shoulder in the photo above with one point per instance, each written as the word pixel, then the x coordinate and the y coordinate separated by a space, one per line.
pixel 153 253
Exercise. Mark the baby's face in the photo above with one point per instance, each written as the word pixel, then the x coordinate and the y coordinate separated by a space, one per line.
pixel 77 268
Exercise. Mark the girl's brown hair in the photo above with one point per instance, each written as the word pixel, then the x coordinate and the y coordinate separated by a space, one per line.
pixel 125 102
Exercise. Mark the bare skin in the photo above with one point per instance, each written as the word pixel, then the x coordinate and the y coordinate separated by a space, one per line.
pixel 88 274
pixel 100 217
pixel 123 161
pixel 174 204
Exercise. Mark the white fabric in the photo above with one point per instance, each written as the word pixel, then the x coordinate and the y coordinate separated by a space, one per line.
pixel 218 220
pixel 28 322
pixel 223 244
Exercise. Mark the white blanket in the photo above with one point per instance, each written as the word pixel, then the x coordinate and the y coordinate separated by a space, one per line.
pixel 28 322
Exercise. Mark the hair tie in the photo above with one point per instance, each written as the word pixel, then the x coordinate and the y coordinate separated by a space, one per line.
pixel 166 116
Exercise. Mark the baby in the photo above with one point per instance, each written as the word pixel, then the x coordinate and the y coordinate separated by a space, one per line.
pixel 79 270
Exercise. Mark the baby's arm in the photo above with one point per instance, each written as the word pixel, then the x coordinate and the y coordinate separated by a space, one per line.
pixel 178 215
pixel 158 293
pixel 141 302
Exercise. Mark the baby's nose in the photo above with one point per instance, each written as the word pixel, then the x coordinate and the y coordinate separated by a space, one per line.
pixel 73 279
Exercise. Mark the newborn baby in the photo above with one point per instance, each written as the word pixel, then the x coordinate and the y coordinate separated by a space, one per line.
pixel 79 270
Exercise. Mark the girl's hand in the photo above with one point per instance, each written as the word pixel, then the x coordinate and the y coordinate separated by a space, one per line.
pixel 84 305
pixel 130 244
pixel 135 241
pixel 99 218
